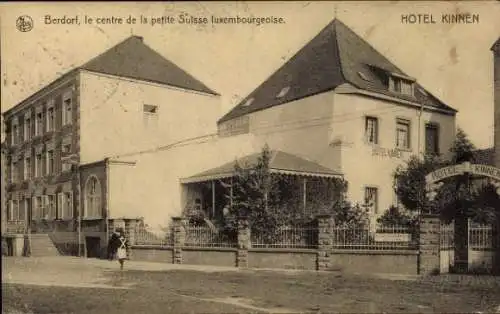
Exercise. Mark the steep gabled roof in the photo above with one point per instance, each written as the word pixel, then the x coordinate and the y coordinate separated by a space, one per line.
pixel 279 162
pixel 335 56
pixel 134 59
pixel 496 45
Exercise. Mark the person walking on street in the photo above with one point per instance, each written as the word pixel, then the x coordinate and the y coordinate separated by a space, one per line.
pixel 121 253
pixel 113 245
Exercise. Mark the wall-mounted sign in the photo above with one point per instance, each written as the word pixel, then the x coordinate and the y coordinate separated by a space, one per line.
pixel 387 152
pixel 392 237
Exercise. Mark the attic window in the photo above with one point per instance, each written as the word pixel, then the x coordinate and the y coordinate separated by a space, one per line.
pixel 150 109
pixel 248 102
pixel 283 92
pixel 401 86
pixel 363 76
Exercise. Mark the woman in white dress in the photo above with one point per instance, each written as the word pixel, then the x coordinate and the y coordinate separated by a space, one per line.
pixel 121 253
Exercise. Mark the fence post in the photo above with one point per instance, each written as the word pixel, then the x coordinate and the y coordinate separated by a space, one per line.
pixel 179 238
pixel 243 242
pixel 325 241
pixel 429 241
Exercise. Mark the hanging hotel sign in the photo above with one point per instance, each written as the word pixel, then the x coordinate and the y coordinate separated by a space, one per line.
pixel 466 167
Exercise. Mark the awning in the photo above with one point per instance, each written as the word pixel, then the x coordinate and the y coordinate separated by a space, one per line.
pixel 280 162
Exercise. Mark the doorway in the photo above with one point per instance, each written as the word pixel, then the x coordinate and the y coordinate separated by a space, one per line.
pixel 93 245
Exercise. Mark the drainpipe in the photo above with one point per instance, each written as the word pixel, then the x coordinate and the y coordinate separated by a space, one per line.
pixel 419 128
pixel 107 201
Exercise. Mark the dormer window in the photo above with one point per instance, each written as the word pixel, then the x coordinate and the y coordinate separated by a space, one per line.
pixel 283 92
pixel 401 85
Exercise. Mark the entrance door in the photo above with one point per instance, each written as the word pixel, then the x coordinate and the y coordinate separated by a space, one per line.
pixel 93 245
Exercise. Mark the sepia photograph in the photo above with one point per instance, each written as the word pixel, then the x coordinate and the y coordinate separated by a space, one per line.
pixel 250 157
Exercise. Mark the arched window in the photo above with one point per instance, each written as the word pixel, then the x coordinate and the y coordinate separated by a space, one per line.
pixel 93 198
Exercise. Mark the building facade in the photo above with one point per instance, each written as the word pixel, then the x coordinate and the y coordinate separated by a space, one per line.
pixel 340 103
pixel 60 141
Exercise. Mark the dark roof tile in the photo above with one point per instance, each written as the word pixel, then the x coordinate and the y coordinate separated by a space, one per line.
pixel 335 56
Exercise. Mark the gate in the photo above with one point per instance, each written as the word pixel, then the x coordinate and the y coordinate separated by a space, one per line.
pixel 480 245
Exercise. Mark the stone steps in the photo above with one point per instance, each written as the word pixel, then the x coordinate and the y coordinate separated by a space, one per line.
pixel 42 245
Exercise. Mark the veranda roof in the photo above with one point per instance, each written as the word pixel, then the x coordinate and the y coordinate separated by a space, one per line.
pixel 280 162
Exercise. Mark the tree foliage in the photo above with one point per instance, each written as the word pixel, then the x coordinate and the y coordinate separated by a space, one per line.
pixel 396 216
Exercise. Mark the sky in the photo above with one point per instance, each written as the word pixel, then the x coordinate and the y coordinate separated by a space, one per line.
pixel 452 61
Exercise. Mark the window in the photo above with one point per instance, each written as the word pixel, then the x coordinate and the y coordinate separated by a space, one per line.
pixel 50 162
pixel 65 205
pixel 67 109
pixel 27 129
pixel 150 109
pixel 39 124
pixel 150 113
pixel 371 199
pixel 93 197
pixel 27 168
pixel 15 133
pixel 283 92
pixel 13 212
pixel 68 205
pixel 38 165
pixel 14 171
pixel 403 134
pixel 248 102
pixel 50 119
pixel 37 212
pixel 401 86
pixel 397 85
pixel 371 130
pixel 50 207
pixel 432 139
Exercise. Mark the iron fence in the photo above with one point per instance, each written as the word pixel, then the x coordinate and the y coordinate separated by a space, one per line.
pixel 480 238
pixel 447 237
pixel 291 237
pixel 374 238
pixel 147 237
pixel 205 236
